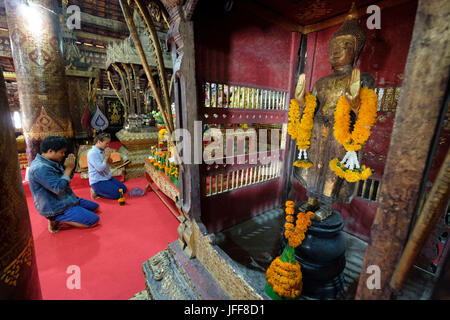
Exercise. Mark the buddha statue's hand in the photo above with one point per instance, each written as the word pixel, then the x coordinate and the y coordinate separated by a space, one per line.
pixel 300 90
pixel 352 92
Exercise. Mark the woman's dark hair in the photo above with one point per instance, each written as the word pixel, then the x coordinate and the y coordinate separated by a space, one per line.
pixel 101 136
pixel 54 143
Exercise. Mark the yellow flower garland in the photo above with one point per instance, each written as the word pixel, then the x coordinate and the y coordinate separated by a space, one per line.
pixel 301 129
pixel 303 164
pixel 353 141
pixel 296 234
pixel 161 134
pixel 286 277
pixel 350 175
pixel 367 116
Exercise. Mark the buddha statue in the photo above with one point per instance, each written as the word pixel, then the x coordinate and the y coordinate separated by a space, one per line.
pixel 323 187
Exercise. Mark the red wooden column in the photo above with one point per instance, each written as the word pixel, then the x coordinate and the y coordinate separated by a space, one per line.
pixel 36 45
pixel 18 271
pixel 416 120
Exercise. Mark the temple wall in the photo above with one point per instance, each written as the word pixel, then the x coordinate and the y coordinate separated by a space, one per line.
pixel 241 48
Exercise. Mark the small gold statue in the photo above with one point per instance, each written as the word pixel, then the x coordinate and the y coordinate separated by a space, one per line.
pixel 323 187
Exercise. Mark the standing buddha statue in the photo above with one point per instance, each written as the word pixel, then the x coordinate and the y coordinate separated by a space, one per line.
pixel 323 185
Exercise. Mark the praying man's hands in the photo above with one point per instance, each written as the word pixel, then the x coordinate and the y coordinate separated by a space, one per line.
pixel 69 164
pixel 107 155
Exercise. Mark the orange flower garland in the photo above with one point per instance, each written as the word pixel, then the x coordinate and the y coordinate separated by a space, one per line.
pixel 301 129
pixel 367 116
pixel 350 175
pixel 348 168
pixel 284 276
pixel 296 234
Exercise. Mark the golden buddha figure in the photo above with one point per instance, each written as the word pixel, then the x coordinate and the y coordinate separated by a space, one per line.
pixel 322 185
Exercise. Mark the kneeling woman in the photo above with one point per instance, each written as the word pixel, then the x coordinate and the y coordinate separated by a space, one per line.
pixel 100 178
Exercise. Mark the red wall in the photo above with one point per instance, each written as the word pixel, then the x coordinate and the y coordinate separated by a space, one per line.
pixel 237 47
pixel 384 54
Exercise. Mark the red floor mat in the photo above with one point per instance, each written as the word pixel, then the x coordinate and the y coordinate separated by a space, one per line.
pixel 109 256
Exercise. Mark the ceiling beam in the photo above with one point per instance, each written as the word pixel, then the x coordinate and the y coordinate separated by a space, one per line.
pixel 104 23
pixel 269 15
pixel 90 20
pixel 383 4
pixel 93 36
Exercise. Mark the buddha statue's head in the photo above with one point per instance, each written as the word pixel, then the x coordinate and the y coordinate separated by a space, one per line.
pixel 347 42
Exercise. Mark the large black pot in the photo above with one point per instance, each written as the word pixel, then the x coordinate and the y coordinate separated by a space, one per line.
pixel 322 258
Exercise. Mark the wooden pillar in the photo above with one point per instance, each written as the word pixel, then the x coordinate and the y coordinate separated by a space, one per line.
pixel 18 272
pixel 189 109
pixel 297 59
pixel 36 44
pixel 435 205
pixel 416 120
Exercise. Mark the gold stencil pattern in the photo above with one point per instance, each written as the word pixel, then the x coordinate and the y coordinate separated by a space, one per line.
pixel 11 273
pixel 44 125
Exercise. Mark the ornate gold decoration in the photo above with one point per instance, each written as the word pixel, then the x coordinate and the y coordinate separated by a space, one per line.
pixel 186 238
pixel 44 125
pixel 162 267
pixel 114 114
pixel 155 11
pixel 11 273
pixel 163 184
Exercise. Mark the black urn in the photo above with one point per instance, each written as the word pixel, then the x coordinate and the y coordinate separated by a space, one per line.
pixel 322 258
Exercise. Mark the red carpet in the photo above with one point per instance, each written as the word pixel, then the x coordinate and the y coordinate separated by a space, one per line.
pixel 110 255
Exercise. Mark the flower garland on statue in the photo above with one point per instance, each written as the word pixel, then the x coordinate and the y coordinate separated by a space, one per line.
pixel 301 129
pixel 284 276
pixel 348 168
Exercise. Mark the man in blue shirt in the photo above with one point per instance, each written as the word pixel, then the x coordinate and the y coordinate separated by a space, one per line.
pixel 50 187
pixel 100 178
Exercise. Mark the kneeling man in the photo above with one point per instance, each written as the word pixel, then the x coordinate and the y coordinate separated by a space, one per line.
pixel 50 187
pixel 100 178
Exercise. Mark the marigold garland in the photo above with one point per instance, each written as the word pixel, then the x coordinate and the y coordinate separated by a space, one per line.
pixel 341 171
pixel 348 168
pixel 284 276
pixel 303 164
pixel 161 134
pixel 367 116
pixel 301 129
pixel 290 204
pixel 296 234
